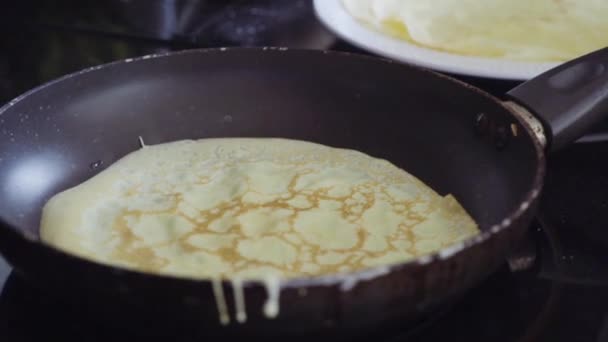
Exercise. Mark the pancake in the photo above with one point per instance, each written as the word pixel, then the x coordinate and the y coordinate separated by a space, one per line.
pixel 247 208
pixel 539 30
pixel 257 208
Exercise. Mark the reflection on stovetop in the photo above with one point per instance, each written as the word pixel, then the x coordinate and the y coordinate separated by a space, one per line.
pixel 564 297
pixel 193 22
pixel 575 209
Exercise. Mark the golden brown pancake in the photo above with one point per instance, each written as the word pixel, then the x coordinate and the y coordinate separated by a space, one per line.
pixel 249 208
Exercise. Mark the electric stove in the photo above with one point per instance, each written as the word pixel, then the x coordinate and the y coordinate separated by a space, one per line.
pixel 555 288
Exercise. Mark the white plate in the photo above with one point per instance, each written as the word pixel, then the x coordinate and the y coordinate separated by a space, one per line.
pixel 337 19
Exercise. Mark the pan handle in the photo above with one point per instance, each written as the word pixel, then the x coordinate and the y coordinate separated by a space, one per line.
pixel 568 99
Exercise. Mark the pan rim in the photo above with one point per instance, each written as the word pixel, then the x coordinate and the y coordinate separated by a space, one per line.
pixel 345 280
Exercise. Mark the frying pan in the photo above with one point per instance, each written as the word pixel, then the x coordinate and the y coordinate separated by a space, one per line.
pixel 488 153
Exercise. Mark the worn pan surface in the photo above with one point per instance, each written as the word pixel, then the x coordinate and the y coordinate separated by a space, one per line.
pixel 451 135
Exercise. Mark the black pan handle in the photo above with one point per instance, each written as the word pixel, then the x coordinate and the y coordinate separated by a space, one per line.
pixel 568 99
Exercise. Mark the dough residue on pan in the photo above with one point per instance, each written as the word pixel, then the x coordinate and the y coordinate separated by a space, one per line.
pixel 538 30
pixel 250 208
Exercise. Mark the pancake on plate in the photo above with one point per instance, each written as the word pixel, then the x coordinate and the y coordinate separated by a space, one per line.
pixel 538 30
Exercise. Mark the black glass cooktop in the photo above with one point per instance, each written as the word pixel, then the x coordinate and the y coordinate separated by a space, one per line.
pixel 554 289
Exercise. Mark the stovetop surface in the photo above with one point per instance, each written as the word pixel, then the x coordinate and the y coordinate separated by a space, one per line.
pixel 562 297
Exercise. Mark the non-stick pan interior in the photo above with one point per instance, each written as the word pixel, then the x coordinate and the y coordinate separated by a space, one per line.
pixel 65 132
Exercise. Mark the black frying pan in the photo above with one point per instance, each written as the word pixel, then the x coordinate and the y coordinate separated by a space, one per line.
pixel 454 137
